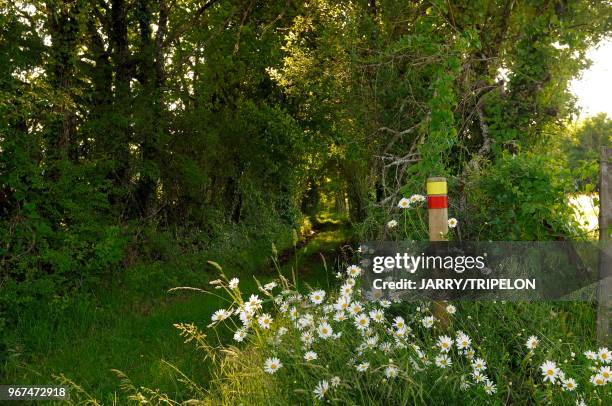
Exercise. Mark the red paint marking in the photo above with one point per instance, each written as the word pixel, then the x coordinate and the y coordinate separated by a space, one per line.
pixel 437 202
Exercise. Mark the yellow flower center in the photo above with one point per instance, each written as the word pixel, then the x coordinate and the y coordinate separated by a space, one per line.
pixel 550 372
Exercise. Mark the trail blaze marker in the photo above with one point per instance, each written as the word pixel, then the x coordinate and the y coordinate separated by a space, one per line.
pixel 437 210
pixel 437 205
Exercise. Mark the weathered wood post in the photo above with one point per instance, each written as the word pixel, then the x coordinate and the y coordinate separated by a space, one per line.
pixel 437 205
pixel 604 291
pixel 437 210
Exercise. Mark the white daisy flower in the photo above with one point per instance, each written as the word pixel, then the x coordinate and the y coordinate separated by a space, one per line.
pixel 479 364
pixel 345 292
pixel 362 321
pixel 392 224
pixel 270 286
pixel 363 366
pixel 378 316
pixel 265 321
pixel 355 308
pixel 317 296
pixel 233 283
pixel 604 355
pixel 371 342
pixel 569 384
pixel 240 334
pixel 350 282
pixel 293 313
pixel 220 314
pixel 445 343
pixel 282 331
pixel 254 302
pixel 443 361
pixel 385 303
pixel 307 337
pixel 532 342
pixel 310 356
pixel 450 309
pixel 550 371
pixel 325 330
pixel 342 304
pixel 391 371
pixel 353 271
pixel 321 389
pixel 399 322
pixel 478 376
pixel 606 373
pixel 339 316
pixel 489 387
pixel 403 203
pixel 246 317
pixel 463 341
pixel 400 332
pixel 598 380
pixel 428 321
pixel 416 198
pixel 592 355
pixel 272 365
pixel 335 381
pixel 452 222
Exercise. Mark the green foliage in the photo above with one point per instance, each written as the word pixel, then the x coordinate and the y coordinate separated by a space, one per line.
pixel 582 147
pixel 117 138
pixel 520 197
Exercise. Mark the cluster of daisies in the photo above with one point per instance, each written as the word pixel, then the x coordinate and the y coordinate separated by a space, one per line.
pixel 408 202
pixel 380 344
pixel 601 372
pixel 414 201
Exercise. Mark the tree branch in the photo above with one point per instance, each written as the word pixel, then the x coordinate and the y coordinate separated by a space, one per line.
pixel 180 30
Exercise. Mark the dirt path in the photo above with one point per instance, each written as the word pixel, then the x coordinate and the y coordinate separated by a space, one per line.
pixel 319 255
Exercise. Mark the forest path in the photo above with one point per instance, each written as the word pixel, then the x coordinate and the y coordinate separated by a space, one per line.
pixel 320 254
pixel 87 338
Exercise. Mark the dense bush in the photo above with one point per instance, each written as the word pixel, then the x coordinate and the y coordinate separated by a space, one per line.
pixel 519 197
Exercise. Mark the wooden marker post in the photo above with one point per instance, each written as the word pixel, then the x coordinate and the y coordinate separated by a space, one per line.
pixel 437 210
pixel 604 291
